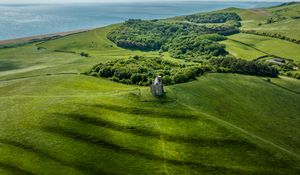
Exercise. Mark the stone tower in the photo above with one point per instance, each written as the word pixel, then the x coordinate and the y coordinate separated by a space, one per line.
pixel 157 88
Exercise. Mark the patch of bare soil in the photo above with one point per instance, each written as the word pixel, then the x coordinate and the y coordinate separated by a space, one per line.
pixel 261 12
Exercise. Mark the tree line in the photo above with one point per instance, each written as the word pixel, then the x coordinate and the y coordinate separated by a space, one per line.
pixel 233 65
pixel 142 71
pixel 273 35
pixel 213 17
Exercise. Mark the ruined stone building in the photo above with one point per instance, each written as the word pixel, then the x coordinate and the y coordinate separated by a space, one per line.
pixel 157 88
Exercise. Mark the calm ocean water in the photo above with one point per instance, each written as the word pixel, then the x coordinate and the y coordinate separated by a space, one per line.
pixel 17 20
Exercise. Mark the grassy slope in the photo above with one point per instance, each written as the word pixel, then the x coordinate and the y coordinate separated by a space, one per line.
pixel 29 61
pixel 251 18
pixel 83 124
pixel 242 51
pixel 267 45
pixel 74 124
pixel 95 43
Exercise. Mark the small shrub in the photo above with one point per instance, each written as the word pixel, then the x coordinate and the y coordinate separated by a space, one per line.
pixel 83 54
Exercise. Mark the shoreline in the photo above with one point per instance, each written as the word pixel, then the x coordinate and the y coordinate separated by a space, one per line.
pixel 39 37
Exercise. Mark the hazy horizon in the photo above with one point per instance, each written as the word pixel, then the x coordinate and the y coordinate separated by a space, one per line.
pixel 124 1
pixel 17 21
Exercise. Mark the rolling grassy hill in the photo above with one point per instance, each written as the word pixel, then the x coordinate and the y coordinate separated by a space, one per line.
pixel 286 23
pixel 242 50
pixel 54 120
pixel 256 19
pixel 78 124
pixel 252 46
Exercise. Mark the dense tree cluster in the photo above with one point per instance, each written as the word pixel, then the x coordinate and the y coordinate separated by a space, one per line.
pixel 142 35
pixel 191 46
pixel 197 44
pixel 156 35
pixel 274 19
pixel 292 74
pixel 233 65
pixel 213 17
pixel 142 71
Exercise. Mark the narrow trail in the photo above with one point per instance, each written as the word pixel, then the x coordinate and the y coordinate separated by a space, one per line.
pixel 163 147
pixel 225 123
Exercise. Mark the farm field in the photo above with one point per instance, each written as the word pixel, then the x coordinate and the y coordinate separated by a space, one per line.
pixel 272 46
pixel 241 50
pixel 256 19
pixel 56 119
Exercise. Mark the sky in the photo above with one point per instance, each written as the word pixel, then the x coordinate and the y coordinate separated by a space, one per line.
pixel 78 1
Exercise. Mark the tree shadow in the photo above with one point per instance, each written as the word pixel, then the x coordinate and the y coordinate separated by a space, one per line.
pixel 14 169
pixel 81 166
pixel 100 142
pixel 211 142
pixel 155 113
pixel 8 65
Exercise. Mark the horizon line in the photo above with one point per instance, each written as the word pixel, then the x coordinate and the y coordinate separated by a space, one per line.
pixel 149 1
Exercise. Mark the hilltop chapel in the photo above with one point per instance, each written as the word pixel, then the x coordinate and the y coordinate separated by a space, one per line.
pixel 157 88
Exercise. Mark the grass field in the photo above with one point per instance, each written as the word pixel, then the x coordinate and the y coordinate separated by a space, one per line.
pixel 271 46
pixel 79 125
pixel 95 43
pixel 54 120
pixel 255 19
pixel 63 55
pixel 242 51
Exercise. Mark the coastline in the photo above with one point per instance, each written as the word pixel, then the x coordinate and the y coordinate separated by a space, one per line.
pixel 40 37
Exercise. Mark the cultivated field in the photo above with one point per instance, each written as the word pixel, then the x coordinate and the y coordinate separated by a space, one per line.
pixel 259 45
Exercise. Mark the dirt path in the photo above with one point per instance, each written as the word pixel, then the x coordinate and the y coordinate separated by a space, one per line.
pixel 261 12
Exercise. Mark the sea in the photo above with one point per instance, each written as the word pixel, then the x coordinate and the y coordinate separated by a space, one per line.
pixel 24 20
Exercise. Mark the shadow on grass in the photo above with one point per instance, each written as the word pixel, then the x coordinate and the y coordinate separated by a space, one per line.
pixel 155 113
pixel 8 65
pixel 14 169
pixel 87 169
pixel 97 141
pixel 156 134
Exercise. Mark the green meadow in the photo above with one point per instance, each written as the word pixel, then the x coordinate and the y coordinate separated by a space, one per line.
pixel 242 50
pixel 56 120
pixel 252 46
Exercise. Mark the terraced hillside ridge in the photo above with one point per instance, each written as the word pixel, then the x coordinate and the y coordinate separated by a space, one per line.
pixel 57 119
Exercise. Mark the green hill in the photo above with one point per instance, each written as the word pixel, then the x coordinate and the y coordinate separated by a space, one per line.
pixel 77 125
pixel 56 120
